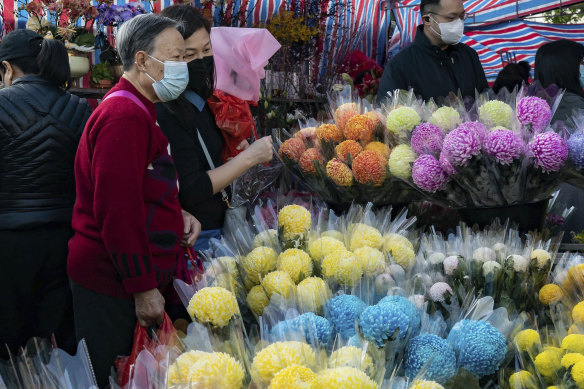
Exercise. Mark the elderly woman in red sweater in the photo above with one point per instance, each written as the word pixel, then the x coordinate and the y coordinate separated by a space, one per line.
pixel 127 218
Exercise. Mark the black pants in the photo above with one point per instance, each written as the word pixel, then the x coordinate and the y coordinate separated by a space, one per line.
pixel 36 298
pixel 107 324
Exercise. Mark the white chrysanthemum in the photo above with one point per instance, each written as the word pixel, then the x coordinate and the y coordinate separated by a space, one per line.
pixel 499 247
pixel 484 254
pixel 542 257
pixel 450 264
pixel 440 291
pixel 520 263
pixel 436 258
pixel 490 267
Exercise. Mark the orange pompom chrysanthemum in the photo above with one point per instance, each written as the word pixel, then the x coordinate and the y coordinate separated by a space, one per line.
pixel 329 132
pixel 380 148
pixel 359 127
pixel 368 167
pixel 348 147
pixel 308 158
pixel 292 148
pixel 344 113
pixel 339 172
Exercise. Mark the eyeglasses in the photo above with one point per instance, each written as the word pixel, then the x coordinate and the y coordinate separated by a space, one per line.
pixel 462 17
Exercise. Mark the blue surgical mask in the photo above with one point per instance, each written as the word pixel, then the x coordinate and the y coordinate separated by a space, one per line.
pixel 174 82
pixel 581 76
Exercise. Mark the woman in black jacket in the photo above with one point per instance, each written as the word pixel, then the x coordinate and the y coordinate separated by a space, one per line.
pixel 40 127
pixel 182 120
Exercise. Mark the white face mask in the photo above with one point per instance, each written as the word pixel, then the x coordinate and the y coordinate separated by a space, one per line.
pixel 451 32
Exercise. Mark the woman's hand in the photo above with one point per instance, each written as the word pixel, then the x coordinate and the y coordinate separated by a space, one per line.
pixel 192 229
pixel 260 151
pixel 243 145
pixel 149 307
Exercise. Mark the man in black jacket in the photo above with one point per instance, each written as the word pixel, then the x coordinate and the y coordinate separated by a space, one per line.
pixel 436 63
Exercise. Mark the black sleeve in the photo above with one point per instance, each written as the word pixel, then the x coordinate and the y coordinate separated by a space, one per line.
pixel 194 183
pixel 482 83
pixel 391 80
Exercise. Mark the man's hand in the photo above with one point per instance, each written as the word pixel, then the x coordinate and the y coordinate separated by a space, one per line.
pixel 149 307
pixel 192 229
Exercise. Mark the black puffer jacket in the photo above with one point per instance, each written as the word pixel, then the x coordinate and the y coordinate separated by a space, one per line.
pixel 40 128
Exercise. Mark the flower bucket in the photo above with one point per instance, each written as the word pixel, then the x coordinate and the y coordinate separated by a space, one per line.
pixel 528 217
pixel 79 64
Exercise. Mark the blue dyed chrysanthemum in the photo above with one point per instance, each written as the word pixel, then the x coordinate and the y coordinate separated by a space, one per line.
pixel 312 327
pixel 433 351
pixel 576 149
pixel 344 310
pixel 480 347
pixel 407 307
pixel 379 322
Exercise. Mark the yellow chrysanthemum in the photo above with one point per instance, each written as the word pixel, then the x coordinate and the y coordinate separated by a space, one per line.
pixel 216 371
pixel 380 148
pixel 575 280
pixel 541 256
pixel 312 294
pixel 278 282
pixel 447 118
pixel 550 293
pixel 422 384
pixel 548 362
pixel 353 357
pixel 571 359
pixel 296 263
pixel 578 314
pixel 402 120
pixel 267 238
pixel 257 300
pixel 293 377
pixel 294 220
pixel 373 260
pixel 573 343
pixel 401 160
pixel 259 262
pixel 496 113
pixel 526 340
pixel 522 380
pixel 343 266
pixel 578 374
pixel 324 246
pixel 214 305
pixel 277 356
pixel 344 378
pixel 338 235
pixel 178 372
pixel 363 235
pixel 401 250
pixel 574 330
pixel 225 263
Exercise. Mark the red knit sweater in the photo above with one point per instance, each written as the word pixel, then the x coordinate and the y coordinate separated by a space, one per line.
pixel 127 217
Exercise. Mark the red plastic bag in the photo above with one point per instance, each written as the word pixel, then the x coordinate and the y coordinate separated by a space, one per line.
pixel 234 119
pixel 165 335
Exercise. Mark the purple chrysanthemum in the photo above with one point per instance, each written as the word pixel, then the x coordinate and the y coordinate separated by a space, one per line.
pixel 534 111
pixel 446 165
pixel 428 174
pixel 460 145
pixel 549 151
pixel 504 145
pixel 479 128
pixel 427 138
pixel 576 149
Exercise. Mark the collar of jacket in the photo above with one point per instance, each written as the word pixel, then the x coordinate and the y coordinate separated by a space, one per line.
pixel 29 78
pixel 422 41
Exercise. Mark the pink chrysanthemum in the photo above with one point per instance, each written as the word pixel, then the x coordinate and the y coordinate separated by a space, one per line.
pixel 460 145
pixel 446 165
pixel 504 145
pixel 427 138
pixel 479 128
pixel 428 174
pixel 549 151
pixel 534 111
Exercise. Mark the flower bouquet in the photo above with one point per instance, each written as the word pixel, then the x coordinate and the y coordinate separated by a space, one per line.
pixel 574 169
pixel 502 156
pixel 346 160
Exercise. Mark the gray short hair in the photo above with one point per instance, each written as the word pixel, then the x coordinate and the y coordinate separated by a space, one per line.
pixel 139 34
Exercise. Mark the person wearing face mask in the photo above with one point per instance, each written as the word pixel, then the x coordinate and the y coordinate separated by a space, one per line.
pixel 436 63
pixel 190 127
pixel 559 63
pixel 40 127
pixel 127 218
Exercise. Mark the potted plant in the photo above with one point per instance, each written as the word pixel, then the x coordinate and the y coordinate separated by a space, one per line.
pixel 101 75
